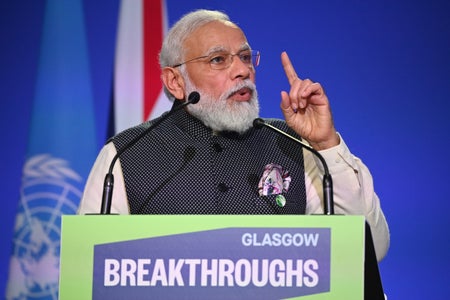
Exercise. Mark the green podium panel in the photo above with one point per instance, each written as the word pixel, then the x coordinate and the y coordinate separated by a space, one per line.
pixel 212 257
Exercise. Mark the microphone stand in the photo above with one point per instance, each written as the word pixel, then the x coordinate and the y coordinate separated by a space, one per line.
pixel 327 182
pixel 108 184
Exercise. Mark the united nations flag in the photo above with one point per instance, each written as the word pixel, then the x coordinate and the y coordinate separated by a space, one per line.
pixel 61 151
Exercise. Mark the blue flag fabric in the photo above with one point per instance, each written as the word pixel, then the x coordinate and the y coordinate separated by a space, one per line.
pixel 62 148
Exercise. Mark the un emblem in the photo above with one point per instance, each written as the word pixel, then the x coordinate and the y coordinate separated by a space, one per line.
pixel 50 188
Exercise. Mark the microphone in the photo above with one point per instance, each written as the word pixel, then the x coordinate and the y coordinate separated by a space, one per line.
pixel 327 182
pixel 108 184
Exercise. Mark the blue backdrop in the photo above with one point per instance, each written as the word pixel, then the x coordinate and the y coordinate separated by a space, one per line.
pixel 384 64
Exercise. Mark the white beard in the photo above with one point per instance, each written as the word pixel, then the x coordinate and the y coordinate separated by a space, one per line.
pixel 222 114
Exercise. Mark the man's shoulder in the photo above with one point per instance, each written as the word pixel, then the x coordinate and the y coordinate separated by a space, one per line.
pixel 282 125
pixel 276 122
pixel 128 135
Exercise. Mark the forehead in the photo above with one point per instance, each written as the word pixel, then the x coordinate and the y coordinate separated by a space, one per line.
pixel 213 36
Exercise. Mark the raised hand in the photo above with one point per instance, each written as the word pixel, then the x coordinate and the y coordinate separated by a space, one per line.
pixel 306 109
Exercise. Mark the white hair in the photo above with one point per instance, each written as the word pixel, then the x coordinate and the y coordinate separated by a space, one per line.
pixel 172 51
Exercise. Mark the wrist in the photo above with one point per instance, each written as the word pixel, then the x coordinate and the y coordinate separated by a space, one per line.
pixel 328 143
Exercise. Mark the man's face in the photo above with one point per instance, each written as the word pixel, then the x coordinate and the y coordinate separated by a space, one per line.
pixel 208 39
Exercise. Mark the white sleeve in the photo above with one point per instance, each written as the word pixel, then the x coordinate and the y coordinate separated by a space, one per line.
pixel 92 196
pixel 353 191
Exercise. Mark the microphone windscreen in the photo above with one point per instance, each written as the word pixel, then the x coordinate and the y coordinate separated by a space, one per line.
pixel 194 97
pixel 258 123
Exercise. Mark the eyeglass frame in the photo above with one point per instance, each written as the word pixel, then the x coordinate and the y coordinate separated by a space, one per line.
pixel 255 59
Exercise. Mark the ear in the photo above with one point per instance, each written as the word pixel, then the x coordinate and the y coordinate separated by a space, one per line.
pixel 174 82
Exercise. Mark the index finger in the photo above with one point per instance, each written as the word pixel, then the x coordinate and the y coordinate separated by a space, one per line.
pixel 288 68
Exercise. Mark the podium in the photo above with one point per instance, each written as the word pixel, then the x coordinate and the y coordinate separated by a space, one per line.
pixel 217 257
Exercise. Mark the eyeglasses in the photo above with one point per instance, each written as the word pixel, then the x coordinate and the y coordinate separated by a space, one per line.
pixel 222 60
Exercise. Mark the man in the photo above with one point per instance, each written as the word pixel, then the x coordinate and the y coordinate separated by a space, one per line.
pixel 208 158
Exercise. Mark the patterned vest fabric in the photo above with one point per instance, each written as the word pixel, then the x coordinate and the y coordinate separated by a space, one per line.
pixel 182 167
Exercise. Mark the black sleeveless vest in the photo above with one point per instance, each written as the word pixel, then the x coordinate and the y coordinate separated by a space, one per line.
pixel 181 167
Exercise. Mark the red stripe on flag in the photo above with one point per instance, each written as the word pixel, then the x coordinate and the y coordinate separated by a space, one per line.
pixel 153 35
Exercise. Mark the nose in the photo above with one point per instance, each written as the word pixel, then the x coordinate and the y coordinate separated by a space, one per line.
pixel 239 69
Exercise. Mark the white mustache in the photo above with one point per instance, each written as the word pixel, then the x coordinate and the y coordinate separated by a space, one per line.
pixel 244 84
